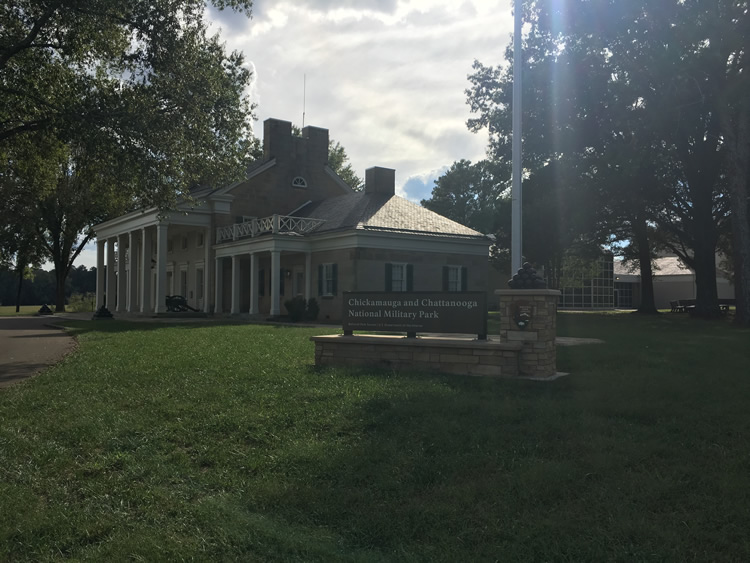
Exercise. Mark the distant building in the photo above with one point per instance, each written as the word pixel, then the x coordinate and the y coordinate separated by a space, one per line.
pixel 291 227
pixel 673 280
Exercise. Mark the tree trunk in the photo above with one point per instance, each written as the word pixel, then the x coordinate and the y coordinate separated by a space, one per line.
pixel 20 286
pixel 706 294
pixel 740 200
pixel 648 304
pixel 737 136
pixel 59 291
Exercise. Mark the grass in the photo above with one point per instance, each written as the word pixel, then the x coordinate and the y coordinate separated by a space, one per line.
pixel 225 443
pixel 24 310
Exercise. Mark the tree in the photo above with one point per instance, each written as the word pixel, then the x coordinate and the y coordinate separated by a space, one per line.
pixel 637 79
pixel 338 160
pixel 141 78
pixel 139 104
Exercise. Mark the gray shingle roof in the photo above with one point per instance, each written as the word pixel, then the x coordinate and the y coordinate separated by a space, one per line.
pixel 382 212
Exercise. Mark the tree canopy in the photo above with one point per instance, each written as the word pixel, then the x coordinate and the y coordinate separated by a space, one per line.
pixel 111 106
pixel 629 99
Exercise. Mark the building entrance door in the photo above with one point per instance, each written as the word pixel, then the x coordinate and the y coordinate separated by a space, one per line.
pixel 299 281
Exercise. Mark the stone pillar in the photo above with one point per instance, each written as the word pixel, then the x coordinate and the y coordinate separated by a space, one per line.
pixel 111 298
pixel 253 283
pixel 132 272
pixel 100 288
pixel 235 284
pixel 145 270
pixel 160 304
pixel 218 308
pixel 275 283
pixel 207 270
pixel 122 282
pixel 530 316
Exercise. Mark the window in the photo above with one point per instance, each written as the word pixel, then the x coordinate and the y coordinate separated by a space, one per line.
pixel 327 279
pixel 454 278
pixel 199 243
pixel 169 245
pixel 261 282
pixel 399 277
pixel 183 281
pixel 299 182
pixel 184 243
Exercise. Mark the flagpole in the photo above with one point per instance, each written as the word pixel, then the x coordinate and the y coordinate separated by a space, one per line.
pixel 516 242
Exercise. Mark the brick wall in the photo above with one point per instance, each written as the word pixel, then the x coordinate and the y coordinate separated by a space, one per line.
pixel 459 356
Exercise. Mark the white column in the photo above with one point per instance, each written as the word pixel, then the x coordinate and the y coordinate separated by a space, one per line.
pixel 235 284
pixel 253 283
pixel 218 307
pixel 111 279
pixel 122 283
pixel 145 270
pixel 99 273
pixel 161 269
pixel 132 272
pixel 308 275
pixel 275 281
pixel 207 269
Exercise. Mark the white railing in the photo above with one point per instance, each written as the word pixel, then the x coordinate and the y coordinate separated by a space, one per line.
pixel 272 224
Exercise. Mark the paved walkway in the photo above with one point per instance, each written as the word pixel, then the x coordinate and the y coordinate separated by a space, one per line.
pixel 28 345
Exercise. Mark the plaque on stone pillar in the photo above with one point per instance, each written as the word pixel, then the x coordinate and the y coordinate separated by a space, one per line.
pixel 522 313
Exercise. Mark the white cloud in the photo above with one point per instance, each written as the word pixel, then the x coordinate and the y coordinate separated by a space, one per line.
pixel 386 78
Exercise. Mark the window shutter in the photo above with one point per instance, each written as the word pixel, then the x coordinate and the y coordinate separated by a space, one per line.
pixel 335 273
pixel 320 279
pixel 464 279
pixel 446 269
pixel 388 276
pixel 281 281
pixel 410 277
pixel 261 282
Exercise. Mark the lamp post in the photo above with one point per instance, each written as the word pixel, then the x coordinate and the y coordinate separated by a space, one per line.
pixel 516 242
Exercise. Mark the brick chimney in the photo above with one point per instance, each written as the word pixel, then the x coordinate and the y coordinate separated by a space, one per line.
pixel 277 138
pixel 380 181
pixel 316 144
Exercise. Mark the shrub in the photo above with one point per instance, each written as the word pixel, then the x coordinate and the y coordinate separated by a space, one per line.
pixel 296 308
pixel 313 309
pixel 81 303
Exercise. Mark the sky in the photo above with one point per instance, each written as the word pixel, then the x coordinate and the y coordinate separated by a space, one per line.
pixel 385 77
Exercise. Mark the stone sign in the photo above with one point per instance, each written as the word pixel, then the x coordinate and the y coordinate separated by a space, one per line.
pixel 440 312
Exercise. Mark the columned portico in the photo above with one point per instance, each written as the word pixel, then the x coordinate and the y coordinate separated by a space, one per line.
pixel 219 269
pixel 110 298
pixel 235 284
pixel 145 270
pixel 207 270
pixel 132 301
pixel 308 275
pixel 122 282
pixel 161 269
pixel 275 283
pixel 254 283
pixel 100 275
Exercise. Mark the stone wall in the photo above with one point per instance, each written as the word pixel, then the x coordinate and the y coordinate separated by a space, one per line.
pixel 449 355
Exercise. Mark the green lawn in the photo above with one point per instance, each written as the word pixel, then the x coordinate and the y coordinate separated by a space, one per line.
pixel 25 310
pixel 156 443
